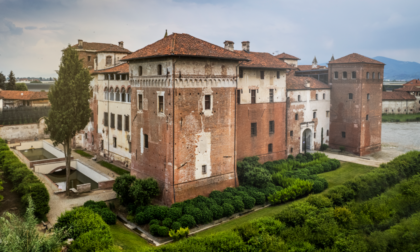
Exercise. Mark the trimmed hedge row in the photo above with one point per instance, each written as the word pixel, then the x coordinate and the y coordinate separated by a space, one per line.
pixel 24 181
pixel 101 208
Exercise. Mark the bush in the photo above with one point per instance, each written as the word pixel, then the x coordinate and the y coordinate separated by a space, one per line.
pixel 40 196
pixel 154 222
pixel 252 173
pixel 217 196
pixel 238 205
pixel 319 201
pixel 167 222
pixel 340 194
pixel 228 209
pixel 94 240
pixel 163 231
pixel 296 214
pixel 249 202
pixel 161 212
pixel 342 148
pixel 122 187
pixel 176 225
pixel 174 213
pixel 178 234
pixel 187 221
pixel 141 218
pixel 108 216
pixel 154 229
pixel 324 147
pixel 318 187
pixel 142 191
pixel 298 189
pixel 217 211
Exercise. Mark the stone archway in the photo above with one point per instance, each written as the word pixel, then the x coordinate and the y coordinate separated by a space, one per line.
pixel 306 140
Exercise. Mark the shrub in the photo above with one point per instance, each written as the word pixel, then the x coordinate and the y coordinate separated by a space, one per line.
pixel 228 210
pixel 174 213
pixel 250 172
pixel 154 229
pixel 178 234
pixel 163 231
pixel 342 148
pixel 207 216
pixel 142 191
pixel 108 216
pixel 318 187
pixel 94 240
pixel 161 212
pixel 151 212
pixel 217 211
pixel 238 205
pixel 154 222
pixel 319 201
pixel 249 202
pixel 296 214
pixel 187 221
pixel 40 196
pixel 340 194
pixel 122 187
pixel 167 222
pixel 298 189
pixel 217 196
pixel 89 204
pixel 324 147
pixel 176 225
pixel 141 218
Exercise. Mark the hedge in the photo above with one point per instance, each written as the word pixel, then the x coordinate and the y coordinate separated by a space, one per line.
pixel 24 181
pixel 101 208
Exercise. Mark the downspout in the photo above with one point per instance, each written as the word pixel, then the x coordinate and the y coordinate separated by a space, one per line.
pixel 234 137
pixel 173 127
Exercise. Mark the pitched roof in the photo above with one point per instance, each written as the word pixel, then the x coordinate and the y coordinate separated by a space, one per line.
pixel 23 95
pixel 123 68
pixel 181 44
pixel 286 56
pixel 355 58
pixel 397 96
pixel 261 60
pixel 101 47
pixel 309 67
pixel 298 82
pixel 409 88
pixel 414 82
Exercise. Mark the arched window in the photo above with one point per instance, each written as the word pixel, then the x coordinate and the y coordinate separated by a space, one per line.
pixel 108 60
pixel 298 97
pixel 129 95
pixel 123 98
pixel 117 94
pixel 159 69
pixel 105 93
pixel 111 92
pixel 140 70
pixel 379 75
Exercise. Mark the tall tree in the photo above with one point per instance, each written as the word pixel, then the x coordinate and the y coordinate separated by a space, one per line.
pixel 12 81
pixel 69 97
pixel 2 81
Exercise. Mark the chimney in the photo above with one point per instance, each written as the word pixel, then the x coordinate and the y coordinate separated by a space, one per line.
pixel 245 46
pixel 229 45
pixel 121 44
pixel 307 83
pixel 80 43
pixel 314 63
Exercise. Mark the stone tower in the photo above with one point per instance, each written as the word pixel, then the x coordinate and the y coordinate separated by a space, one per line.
pixel 356 103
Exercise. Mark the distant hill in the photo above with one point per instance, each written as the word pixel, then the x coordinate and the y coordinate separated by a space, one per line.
pixel 399 70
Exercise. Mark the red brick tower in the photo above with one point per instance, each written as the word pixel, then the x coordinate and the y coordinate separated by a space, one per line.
pixel 356 103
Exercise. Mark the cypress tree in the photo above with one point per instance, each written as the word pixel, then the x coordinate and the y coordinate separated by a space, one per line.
pixel 12 81
pixel 2 81
pixel 69 97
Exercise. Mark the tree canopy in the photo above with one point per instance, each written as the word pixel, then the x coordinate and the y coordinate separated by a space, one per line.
pixel 2 81
pixel 11 85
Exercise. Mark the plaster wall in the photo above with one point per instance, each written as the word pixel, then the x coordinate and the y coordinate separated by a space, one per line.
pixel 47 168
pixel 291 62
pixel 24 132
pixel 252 81
pixel 53 150
pixel 399 107
pixel 94 175
pixel 101 58
pixel 28 145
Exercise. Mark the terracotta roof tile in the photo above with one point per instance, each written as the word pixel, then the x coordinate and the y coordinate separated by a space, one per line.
pixel 409 88
pixel 286 56
pixel 261 60
pixel 355 58
pixel 414 82
pixel 309 67
pixel 181 44
pixel 101 47
pixel 23 95
pixel 298 82
pixel 123 68
pixel 397 96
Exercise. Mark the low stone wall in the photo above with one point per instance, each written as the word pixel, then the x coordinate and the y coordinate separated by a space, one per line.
pixel 106 184
pixel 84 188
pixel 23 132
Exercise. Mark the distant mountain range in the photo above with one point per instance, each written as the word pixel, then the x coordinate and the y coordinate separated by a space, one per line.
pixel 397 70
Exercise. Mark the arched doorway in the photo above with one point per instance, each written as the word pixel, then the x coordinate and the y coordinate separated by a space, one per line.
pixel 306 140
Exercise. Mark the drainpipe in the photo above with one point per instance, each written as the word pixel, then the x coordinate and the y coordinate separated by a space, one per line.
pixel 173 127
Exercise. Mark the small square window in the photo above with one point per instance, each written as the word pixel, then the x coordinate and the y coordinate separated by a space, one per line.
pixel 253 129
pixel 343 134
pixel 291 133
pixel 114 143
pixel 270 148
pixel 207 102
pixel 350 96
pixel 204 169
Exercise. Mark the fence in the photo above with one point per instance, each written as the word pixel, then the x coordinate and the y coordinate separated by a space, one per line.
pixel 23 115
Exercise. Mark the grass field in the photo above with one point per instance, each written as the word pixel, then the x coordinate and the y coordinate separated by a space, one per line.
pixel 400 117
pixel 346 172
pixel 126 239
pixel 113 168
pixel 84 154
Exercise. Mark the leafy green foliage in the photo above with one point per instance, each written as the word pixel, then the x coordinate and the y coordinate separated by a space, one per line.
pixel 83 154
pixel 174 213
pixel 297 189
pixel 176 225
pixel 154 229
pixel 167 222
pixel 250 172
pixel 179 233
pixel 113 168
pixel 122 187
pixel 21 87
pixel 228 209
pixel 94 240
pixel 142 191
pixel 11 85
pixel 187 221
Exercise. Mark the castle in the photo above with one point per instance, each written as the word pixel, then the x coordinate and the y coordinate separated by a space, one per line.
pixel 184 111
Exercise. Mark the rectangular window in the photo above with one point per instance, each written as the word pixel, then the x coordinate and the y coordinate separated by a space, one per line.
pixel 204 169
pixel 106 119
pixel 291 133
pixel 367 75
pixel 207 102
pixel 241 73
pixel 238 96
pixel 379 75
pixel 140 98
pixel 270 148
pixel 335 75
pixel 350 96
pixel 327 114
pixel 119 126
pixel 113 121
pixel 316 97
pixel 253 129
pixel 368 97
pixel 343 134
pixel 127 123
pixel 271 127
pixel 314 134
pixel 278 74
pixel 344 75
pixel 291 150
pixel 271 95
pixel 323 96
pixel 146 141
pixel 314 115
pixel 88 58
pixel 102 144
pixel 353 75
pixel 114 142
pixel 262 75
pixel 253 96
pixel 328 132
pixel 367 117
pixel 160 104
pixel 373 75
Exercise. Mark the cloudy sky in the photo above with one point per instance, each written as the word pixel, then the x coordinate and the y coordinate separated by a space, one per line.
pixel 33 32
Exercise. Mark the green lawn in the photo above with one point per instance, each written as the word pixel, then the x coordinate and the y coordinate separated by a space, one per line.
pixel 127 239
pixel 113 168
pixel 346 172
pixel 84 154
pixel 400 117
